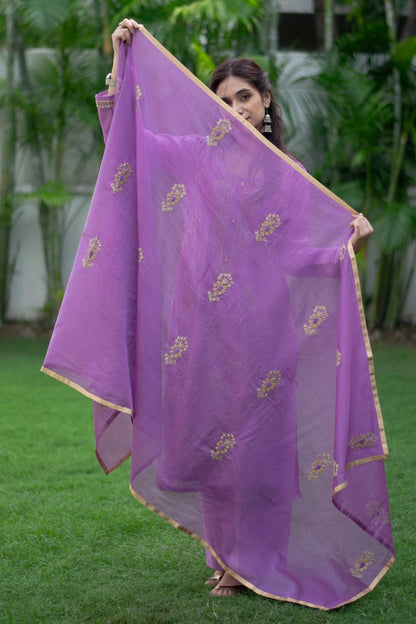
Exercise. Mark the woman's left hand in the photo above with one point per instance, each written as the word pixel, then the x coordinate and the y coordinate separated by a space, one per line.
pixel 362 231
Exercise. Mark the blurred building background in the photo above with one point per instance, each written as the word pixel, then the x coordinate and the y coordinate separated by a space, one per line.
pixel 294 40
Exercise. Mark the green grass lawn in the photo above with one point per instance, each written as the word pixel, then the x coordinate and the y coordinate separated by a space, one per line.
pixel 76 547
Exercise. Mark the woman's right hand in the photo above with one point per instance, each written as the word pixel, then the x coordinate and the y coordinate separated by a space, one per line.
pixel 123 32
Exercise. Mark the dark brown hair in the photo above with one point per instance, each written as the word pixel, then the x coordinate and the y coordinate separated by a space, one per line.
pixel 251 72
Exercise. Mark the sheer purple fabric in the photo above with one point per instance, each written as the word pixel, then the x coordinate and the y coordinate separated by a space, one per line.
pixel 214 316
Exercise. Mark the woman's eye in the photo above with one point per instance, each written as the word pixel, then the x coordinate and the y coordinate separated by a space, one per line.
pixel 245 96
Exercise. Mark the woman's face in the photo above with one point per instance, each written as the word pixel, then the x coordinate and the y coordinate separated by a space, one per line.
pixel 244 99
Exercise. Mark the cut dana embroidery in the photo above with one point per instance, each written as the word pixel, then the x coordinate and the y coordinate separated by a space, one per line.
pixel 376 511
pixel 362 564
pixel 140 255
pixel 269 225
pixel 272 380
pixel 316 319
pixel 364 440
pixel 224 281
pixel 177 350
pixel 321 463
pixel 93 249
pixel 123 172
pixel 226 441
pixel 222 128
pixel 177 192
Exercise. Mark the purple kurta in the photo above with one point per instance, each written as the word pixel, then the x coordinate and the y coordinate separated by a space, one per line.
pixel 214 316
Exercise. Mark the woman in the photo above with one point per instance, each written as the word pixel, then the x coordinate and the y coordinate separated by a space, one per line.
pixel 213 315
pixel 246 89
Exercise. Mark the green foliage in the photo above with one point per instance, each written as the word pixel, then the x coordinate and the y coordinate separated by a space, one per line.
pixel 396 226
pixel 368 111
pixel 188 28
pixel 43 16
pixel 55 99
pixel 204 65
pixel 403 55
pixel 53 194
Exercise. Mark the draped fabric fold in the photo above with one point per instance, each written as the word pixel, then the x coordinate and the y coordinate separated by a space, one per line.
pixel 214 316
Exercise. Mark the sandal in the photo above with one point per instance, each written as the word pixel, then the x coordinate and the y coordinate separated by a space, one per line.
pixel 215 578
pixel 224 589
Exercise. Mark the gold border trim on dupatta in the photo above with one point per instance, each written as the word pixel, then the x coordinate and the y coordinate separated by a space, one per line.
pixel 90 395
pixel 370 361
pixel 242 580
pixel 238 117
pixel 366 460
pixel 339 487
pixel 108 470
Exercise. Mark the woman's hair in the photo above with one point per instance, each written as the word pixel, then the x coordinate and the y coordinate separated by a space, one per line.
pixel 248 70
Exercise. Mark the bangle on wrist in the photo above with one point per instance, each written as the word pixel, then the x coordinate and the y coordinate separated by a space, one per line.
pixel 110 82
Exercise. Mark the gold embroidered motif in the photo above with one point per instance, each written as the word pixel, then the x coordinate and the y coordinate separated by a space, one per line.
pixel 269 225
pixel 224 444
pixel 139 92
pixel 321 463
pixel 123 172
pixel 364 440
pixel 177 350
pixel 224 281
pixel 222 128
pixel 342 253
pixel 272 380
pixel 362 564
pixel 374 510
pixel 104 103
pixel 140 255
pixel 93 249
pixel 315 320
pixel 339 355
pixel 178 191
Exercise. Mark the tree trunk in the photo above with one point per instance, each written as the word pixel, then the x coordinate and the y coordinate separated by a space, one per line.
pixel 329 25
pixel 409 28
pixel 319 18
pixel 324 23
pixel 8 166
pixel 271 29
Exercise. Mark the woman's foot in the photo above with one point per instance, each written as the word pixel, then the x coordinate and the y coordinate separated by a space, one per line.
pixel 227 586
pixel 215 578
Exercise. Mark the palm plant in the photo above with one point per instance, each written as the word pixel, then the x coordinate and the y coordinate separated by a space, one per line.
pixel 55 95
pixel 368 86
pixel 200 33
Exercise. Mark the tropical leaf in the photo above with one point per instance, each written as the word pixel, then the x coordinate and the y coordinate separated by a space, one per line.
pixel 404 54
pixel 44 16
pixel 53 194
pixel 396 226
pixel 351 192
pixel 204 65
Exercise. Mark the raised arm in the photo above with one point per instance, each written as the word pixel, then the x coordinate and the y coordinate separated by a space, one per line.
pixel 123 32
pixel 105 99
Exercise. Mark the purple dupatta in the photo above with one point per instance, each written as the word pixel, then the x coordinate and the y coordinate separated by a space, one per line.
pixel 214 316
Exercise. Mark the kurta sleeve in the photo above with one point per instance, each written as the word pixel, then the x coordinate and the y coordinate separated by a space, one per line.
pixel 105 106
